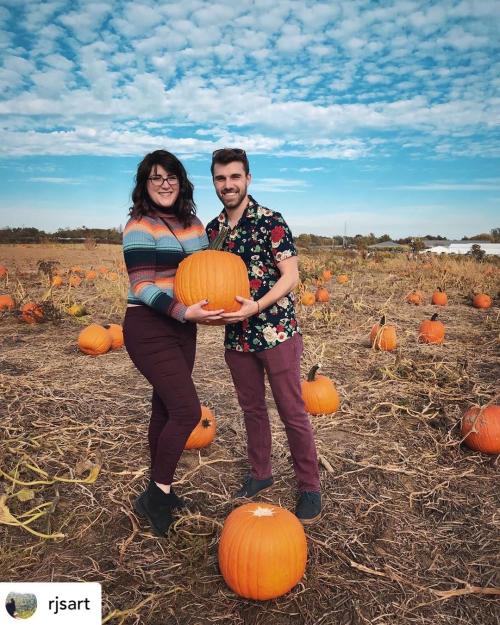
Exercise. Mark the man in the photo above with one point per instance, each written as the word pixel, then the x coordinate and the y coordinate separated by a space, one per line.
pixel 263 336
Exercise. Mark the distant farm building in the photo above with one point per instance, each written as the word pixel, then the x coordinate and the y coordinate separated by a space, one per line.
pixel 460 247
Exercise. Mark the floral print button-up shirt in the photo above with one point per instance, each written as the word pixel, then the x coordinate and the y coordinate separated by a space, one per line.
pixel 262 239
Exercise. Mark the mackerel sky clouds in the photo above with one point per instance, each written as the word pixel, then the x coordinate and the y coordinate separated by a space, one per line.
pixel 357 115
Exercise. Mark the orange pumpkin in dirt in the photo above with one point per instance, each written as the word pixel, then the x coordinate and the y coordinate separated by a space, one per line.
pixel 322 294
pixel 327 274
pixel 75 280
pixel 415 297
pixel 204 432
pixel 113 276
pixel 481 428
pixel 431 330
pixel 94 340
pixel 3 271
pixel 481 300
pixel 57 281
pixel 6 302
pixel 308 298
pixel 319 393
pixel 343 278
pixel 90 275
pixel 116 332
pixel 383 336
pixel 102 269
pixel 32 313
pixel 262 551
pixel 439 298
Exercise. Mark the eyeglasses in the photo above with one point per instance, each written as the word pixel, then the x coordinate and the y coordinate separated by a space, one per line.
pixel 158 180
pixel 233 150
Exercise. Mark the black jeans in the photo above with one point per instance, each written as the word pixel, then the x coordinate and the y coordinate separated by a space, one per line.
pixel 163 349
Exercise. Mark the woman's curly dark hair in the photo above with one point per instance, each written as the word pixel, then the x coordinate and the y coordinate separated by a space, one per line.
pixel 184 207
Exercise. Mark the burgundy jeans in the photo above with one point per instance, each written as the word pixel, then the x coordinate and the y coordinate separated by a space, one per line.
pixel 163 349
pixel 282 365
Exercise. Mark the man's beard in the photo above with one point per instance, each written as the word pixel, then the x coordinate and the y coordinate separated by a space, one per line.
pixel 235 200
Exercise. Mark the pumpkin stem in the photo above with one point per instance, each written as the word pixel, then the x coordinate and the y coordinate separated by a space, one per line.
pixel 382 321
pixel 217 243
pixel 312 373
pixel 434 317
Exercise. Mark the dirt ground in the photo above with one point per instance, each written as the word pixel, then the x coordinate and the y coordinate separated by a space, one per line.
pixel 410 528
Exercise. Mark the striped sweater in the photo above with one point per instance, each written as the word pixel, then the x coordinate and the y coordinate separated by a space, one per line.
pixel 152 254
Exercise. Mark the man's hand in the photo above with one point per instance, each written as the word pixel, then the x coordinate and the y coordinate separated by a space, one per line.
pixel 249 307
pixel 197 314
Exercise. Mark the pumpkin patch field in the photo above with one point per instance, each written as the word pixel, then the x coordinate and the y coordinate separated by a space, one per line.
pixel 410 524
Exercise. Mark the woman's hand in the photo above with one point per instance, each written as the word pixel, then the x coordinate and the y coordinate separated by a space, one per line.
pixel 197 314
pixel 249 307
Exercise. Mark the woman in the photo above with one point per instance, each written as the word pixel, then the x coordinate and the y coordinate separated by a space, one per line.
pixel 159 331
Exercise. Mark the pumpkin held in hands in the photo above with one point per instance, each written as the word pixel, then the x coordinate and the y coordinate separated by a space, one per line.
pixel 383 336
pixel 319 393
pixel 204 433
pixel 431 330
pixel 214 275
pixel 262 551
pixel 481 429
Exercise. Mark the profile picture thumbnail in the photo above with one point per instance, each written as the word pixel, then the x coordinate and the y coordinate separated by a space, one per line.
pixel 20 605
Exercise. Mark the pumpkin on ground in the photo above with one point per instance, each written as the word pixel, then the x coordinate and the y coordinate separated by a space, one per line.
pixel 431 330
pixel 343 278
pixel 90 275
pixel 32 313
pixel 214 275
pixel 319 393
pixel 77 310
pixel 75 280
pixel 327 274
pixel 94 340
pixel 383 336
pixel 322 295
pixel 116 333
pixel 204 432
pixel 57 281
pixel 3 271
pixel 439 297
pixel 262 551
pixel 481 428
pixel 415 297
pixel 7 302
pixel 481 300
pixel 308 298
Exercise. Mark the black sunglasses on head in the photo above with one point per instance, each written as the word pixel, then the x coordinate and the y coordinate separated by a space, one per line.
pixel 233 150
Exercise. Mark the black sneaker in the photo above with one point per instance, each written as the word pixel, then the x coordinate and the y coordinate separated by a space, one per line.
pixel 252 486
pixel 308 508
pixel 157 507
pixel 177 502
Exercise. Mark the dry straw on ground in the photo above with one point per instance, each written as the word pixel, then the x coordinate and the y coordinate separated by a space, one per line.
pixel 409 533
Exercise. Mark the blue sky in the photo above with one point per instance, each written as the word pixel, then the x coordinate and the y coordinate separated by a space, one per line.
pixel 368 116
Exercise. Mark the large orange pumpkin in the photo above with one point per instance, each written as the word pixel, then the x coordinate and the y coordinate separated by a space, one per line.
pixel 383 336
pixel 32 312
pixel 319 393
pixel 431 330
pixel 94 340
pixel 481 300
pixel 481 428
pixel 6 302
pixel 214 275
pixel 116 333
pixel 262 551
pixel 204 432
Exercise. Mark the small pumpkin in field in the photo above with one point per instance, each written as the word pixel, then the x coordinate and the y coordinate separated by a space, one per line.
pixel 262 551
pixel 7 302
pixel 322 295
pixel 204 433
pixel 439 297
pixel 94 340
pixel 75 280
pixel 383 336
pixel 90 275
pixel 3 271
pixel 102 269
pixel 32 313
pixel 431 330
pixel 116 332
pixel 415 298
pixel 113 276
pixel 327 274
pixel 57 281
pixel 481 428
pixel 319 393
pixel 77 310
pixel 343 278
pixel 308 298
pixel 481 300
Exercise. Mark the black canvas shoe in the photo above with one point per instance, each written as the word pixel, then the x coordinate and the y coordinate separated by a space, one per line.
pixel 178 503
pixel 308 507
pixel 156 506
pixel 252 487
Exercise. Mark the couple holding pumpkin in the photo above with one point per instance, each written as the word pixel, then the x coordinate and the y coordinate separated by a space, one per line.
pixel 261 337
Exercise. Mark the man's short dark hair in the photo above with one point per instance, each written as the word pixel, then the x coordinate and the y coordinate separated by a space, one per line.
pixel 224 156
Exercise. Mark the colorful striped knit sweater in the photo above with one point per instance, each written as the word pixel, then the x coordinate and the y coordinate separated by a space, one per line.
pixel 152 254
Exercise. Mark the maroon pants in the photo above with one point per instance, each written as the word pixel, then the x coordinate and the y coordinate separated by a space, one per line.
pixel 163 350
pixel 282 365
